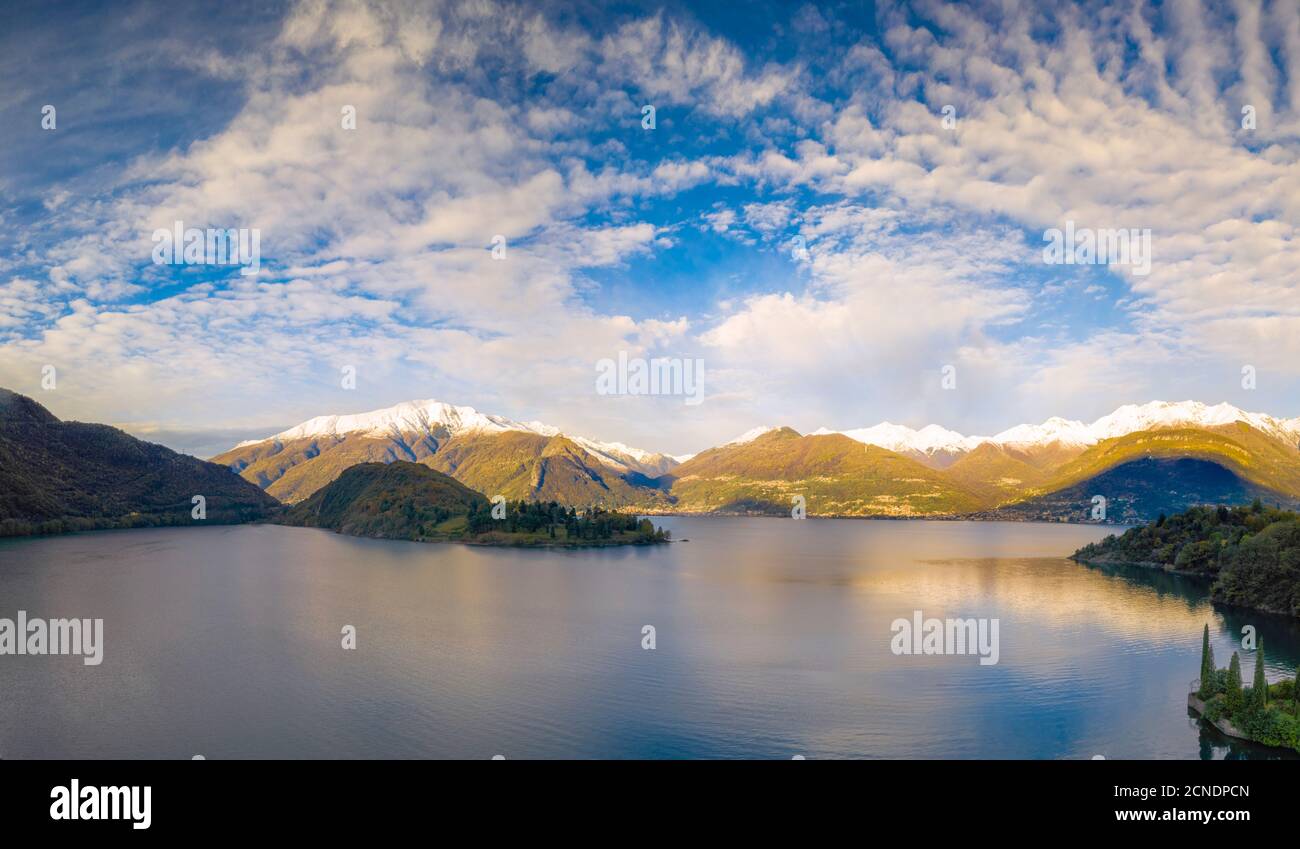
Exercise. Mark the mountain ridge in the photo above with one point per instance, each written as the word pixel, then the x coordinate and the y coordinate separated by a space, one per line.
pixel 428 415
pixel 933 471
pixel 58 476
pixel 1126 419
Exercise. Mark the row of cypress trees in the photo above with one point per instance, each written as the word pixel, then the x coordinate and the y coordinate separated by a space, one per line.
pixel 1236 700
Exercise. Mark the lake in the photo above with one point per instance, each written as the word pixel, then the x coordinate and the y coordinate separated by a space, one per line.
pixel 772 639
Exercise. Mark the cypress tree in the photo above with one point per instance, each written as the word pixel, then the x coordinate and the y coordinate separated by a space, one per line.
pixel 1259 689
pixel 1207 666
pixel 1232 691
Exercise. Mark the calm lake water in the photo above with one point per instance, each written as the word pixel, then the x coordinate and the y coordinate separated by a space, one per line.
pixel 773 640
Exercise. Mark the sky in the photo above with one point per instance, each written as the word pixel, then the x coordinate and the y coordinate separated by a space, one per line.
pixel 805 216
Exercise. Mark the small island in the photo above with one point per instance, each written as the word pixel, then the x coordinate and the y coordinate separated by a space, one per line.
pixel 1251 555
pixel 410 501
pixel 1268 714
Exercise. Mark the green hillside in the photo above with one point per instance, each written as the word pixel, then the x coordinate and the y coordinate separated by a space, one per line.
pixel 410 501
pixel 1252 554
pixel 999 474
pixel 1248 453
pixel 835 475
pixel 531 467
pixel 60 476
pixel 393 500
pixel 293 470
pixel 1140 490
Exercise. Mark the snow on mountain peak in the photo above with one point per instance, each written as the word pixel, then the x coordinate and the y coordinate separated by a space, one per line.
pixel 426 417
pixel 1129 418
pixel 1055 429
pixel 627 458
pixel 928 440
pixel 750 435
pixel 408 417
pixel 1135 417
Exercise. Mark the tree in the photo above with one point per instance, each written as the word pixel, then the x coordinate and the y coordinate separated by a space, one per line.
pixel 1207 666
pixel 1232 690
pixel 1259 688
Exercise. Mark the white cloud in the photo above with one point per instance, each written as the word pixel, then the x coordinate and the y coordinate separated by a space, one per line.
pixel 482 118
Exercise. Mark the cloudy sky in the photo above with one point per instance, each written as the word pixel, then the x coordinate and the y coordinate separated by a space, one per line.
pixel 801 217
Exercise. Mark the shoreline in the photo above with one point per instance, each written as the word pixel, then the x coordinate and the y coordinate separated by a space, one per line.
pixel 266 524
pixel 964 517
pixel 1225 727
pixel 545 543
pixel 1196 577
pixel 1137 564
pixel 687 515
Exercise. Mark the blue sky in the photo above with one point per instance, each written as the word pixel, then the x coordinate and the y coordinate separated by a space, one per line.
pixel 775 122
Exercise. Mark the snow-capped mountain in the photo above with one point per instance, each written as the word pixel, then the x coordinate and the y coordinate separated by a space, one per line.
pixel 930 439
pixel 627 458
pixel 941 471
pixel 1130 418
pixel 405 418
pixel 436 418
pixel 749 435
pixel 1055 429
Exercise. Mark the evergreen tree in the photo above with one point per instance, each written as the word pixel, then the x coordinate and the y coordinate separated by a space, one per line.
pixel 1207 666
pixel 1232 690
pixel 1259 689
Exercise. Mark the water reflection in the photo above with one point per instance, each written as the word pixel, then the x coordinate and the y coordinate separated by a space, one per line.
pixel 773 640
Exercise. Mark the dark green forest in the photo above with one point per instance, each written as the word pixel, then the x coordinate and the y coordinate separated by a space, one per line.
pixel 1251 554
pixel 404 500
pixel 58 476
pixel 558 522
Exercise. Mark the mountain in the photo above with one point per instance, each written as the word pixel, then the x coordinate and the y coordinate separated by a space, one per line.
pixel 932 445
pixel 533 467
pixel 1254 455
pixel 390 500
pixel 1140 490
pixel 834 474
pixel 1144 459
pixel 616 455
pixel 409 501
pixel 1130 418
pixel 59 476
pixel 490 453
pixel 1052 470
pixel 1002 473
